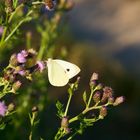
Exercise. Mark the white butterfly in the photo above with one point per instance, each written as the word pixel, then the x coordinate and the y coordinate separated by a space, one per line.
pixel 60 71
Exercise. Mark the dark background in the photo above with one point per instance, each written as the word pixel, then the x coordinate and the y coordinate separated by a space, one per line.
pixel 107 34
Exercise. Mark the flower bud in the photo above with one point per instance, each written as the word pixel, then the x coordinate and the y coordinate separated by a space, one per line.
pixel 16 86
pixel 99 86
pixel 9 6
pixel 11 107
pixel 13 60
pixel 108 91
pixel 118 101
pixel 67 130
pixel 97 96
pixel 94 77
pixel 111 100
pixel 31 53
pixel 103 112
pixel 106 94
pixel 35 109
pixel 65 122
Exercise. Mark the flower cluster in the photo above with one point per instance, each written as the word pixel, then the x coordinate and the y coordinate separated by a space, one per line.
pixel 96 103
pixel 17 65
pixel 102 96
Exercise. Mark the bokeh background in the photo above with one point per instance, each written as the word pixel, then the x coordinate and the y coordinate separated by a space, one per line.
pixel 107 36
pixel 100 36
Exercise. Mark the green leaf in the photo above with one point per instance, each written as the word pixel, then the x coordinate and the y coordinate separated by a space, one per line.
pixel 85 97
pixel 2 126
pixel 60 109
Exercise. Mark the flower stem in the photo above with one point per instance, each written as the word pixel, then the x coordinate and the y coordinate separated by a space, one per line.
pixel 68 103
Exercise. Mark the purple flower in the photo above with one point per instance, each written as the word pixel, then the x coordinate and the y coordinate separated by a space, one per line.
pixel 3 109
pixel 50 5
pixel 1 30
pixel 21 57
pixel 22 72
pixel 41 65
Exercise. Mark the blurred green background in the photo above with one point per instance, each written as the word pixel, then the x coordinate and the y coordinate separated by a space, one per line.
pixel 102 37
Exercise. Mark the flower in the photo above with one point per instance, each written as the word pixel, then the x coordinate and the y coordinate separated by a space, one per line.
pixel 118 100
pixel 41 65
pixel 21 57
pixel 3 109
pixel 1 30
pixel 50 4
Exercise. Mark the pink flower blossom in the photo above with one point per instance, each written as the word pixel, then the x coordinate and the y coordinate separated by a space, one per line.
pixel 3 109
pixel 21 57
pixel 41 66
pixel 1 30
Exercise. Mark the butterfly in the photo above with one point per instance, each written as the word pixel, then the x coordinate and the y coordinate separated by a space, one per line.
pixel 60 71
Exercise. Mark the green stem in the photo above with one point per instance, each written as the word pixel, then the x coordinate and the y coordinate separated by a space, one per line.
pixel 18 25
pixel 59 134
pixel 8 20
pixel 68 103
pixel 32 120
pixel 91 95
pixel 87 110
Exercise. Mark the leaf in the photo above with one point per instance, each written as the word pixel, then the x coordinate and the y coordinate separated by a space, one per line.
pixel 85 97
pixel 60 109
pixel 2 126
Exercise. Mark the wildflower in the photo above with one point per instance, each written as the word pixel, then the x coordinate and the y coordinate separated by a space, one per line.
pixel 93 79
pixel 118 100
pixel 1 30
pixel 21 57
pixel 65 122
pixel 3 109
pixel 13 60
pixel 111 100
pixel 50 4
pixel 103 112
pixel 22 72
pixel 16 86
pixel 107 93
pixel 11 107
pixel 41 65
pixel 31 53
pixel 97 97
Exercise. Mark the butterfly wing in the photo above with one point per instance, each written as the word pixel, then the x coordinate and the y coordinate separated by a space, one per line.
pixel 56 73
pixel 70 69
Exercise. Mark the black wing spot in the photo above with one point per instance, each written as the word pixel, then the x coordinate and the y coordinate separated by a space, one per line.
pixel 67 70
